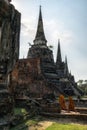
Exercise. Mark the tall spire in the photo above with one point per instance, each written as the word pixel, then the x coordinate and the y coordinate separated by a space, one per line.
pixel 59 59
pixel 40 36
pixel 66 71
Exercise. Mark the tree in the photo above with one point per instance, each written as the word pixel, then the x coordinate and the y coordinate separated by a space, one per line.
pixel 80 82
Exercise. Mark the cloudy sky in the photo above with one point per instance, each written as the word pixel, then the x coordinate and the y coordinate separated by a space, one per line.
pixel 63 19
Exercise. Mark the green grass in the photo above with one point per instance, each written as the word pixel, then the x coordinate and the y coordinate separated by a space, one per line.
pixel 56 126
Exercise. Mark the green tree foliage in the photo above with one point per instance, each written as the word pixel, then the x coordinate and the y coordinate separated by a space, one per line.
pixel 82 84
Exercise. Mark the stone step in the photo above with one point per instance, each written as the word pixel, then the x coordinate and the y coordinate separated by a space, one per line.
pixel 70 116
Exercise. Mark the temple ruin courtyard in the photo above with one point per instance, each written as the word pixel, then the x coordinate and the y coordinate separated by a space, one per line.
pixel 36 92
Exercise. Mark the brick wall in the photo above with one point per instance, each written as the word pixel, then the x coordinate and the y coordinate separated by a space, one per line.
pixel 27 79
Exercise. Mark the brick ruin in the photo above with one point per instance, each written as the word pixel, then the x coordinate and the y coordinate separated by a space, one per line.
pixel 43 75
pixel 9 54
pixel 56 73
pixel 33 77
pixel 28 80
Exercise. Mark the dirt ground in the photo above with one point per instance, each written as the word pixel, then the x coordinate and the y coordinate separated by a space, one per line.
pixel 42 125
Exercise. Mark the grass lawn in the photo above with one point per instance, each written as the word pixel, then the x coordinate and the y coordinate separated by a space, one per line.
pixel 56 126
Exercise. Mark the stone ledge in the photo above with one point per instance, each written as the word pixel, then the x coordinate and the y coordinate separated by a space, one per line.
pixel 72 117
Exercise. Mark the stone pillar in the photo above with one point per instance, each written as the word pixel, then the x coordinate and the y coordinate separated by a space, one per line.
pixel 9 54
pixel 0 33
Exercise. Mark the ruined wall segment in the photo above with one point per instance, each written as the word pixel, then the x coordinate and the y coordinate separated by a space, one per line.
pixel 27 79
pixel 10 34
pixel 9 54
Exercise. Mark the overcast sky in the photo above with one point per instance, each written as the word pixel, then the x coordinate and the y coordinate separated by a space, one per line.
pixel 63 19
